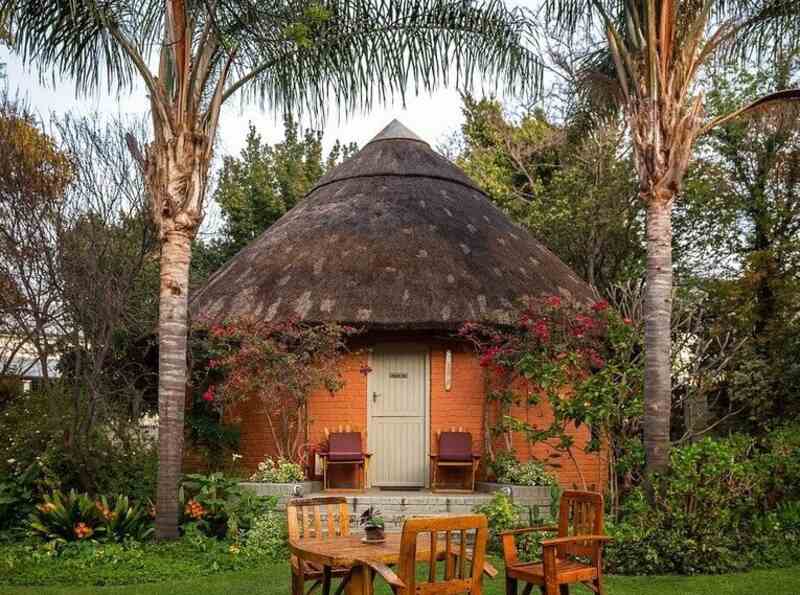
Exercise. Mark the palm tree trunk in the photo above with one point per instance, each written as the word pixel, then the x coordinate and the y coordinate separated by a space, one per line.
pixel 658 313
pixel 172 340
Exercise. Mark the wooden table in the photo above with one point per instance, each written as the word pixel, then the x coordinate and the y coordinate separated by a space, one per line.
pixel 350 552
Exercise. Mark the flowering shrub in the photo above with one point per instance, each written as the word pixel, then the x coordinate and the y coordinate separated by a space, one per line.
pixel 507 469
pixel 278 365
pixel 217 507
pixel 75 517
pixel 268 537
pixel 280 471
pixel 582 361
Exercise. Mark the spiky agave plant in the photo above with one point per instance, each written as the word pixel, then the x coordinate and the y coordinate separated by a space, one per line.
pixel 194 55
pixel 653 51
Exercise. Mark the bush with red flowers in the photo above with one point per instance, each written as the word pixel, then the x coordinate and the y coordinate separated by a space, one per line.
pixel 583 360
pixel 274 364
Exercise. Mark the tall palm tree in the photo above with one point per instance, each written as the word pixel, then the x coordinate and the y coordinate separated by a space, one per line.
pixel 290 55
pixel 656 49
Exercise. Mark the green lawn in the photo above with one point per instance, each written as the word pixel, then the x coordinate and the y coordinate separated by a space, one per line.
pixel 275 581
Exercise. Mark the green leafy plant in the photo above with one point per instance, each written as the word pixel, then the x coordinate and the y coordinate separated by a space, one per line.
pixel 507 469
pixel 503 515
pixel 67 517
pixel 268 537
pixel 278 471
pixel 219 507
pixel 124 520
pixel 17 495
pixel 371 518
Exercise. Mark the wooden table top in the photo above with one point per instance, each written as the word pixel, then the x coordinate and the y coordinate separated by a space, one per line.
pixel 349 550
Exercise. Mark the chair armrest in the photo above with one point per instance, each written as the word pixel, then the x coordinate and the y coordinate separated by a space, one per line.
pixel 476 457
pixel 529 530
pixel 387 573
pixel 510 555
pixel 575 538
pixel 433 456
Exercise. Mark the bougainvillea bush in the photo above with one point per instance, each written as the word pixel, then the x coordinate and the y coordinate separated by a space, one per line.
pixel 276 365
pixel 584 361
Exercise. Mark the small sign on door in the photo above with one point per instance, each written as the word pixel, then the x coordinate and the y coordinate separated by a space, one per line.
pixel 398 375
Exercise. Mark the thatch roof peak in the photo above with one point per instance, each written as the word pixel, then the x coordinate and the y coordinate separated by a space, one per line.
pixel 396 237
pixel 396 130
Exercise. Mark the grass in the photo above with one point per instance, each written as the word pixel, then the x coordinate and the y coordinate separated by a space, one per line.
pixel 274 580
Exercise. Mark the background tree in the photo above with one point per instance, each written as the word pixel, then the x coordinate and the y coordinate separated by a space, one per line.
pixel 575 192
pixel 77 251
pixel 289 56
pixel 739 235
pixel 255 189
pixel 653 53
pixel 34 174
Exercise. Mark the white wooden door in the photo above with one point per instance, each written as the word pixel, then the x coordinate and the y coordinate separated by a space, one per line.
pixel 398 419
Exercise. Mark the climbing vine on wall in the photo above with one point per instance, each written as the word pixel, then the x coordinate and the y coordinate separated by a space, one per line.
pixel 277 366
pixel 582 360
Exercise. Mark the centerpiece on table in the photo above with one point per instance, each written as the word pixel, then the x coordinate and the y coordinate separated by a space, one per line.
pixel 374 525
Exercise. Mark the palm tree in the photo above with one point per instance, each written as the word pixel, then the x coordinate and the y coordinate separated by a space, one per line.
pixel 655 50
pixel 194 55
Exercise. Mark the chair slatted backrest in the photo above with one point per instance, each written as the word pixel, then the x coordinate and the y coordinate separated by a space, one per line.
pixel 305 518
pixel 580 513
pixel 460 570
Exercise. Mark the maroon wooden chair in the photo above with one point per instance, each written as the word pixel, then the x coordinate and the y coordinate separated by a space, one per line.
pixel 345 448
pixel 455 452
pixel 575 556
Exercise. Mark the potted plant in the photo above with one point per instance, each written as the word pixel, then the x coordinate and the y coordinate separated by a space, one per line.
pixel 373 524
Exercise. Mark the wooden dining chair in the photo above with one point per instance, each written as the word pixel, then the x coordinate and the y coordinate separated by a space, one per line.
pixel 316 518
pixel 345 448
pixel 452 568
pixel 575 556
pixel 454 452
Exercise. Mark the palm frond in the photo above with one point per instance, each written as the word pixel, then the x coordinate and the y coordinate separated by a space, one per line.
pixel 763 28
pixel 73 37
pixel 780 100
pixel 357 52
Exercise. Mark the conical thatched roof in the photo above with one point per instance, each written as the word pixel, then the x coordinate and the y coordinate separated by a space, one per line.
pixel 396 237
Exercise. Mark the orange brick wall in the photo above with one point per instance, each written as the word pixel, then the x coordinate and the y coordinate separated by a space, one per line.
pixel 461 406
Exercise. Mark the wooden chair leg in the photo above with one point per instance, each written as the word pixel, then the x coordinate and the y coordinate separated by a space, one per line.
pixel 326 580
pixel 297 584
pixel 598 585
pixel 511 586
pixel 527 590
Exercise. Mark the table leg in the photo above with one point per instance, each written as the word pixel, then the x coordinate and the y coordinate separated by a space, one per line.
pixel 360 581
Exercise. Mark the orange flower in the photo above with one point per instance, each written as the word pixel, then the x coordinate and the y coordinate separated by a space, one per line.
pixel 82 530
pixel 194 509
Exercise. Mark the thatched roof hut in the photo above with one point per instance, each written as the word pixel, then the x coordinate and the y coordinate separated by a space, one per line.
pixel 396 237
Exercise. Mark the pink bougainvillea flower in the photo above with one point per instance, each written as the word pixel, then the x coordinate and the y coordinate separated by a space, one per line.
pixel 553 301
pixel 488 356
pixel 208 396
pixel 627 321
pixel 600 306
pixel 541 331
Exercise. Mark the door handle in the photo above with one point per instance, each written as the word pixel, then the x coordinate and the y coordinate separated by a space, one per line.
pixel 375 397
